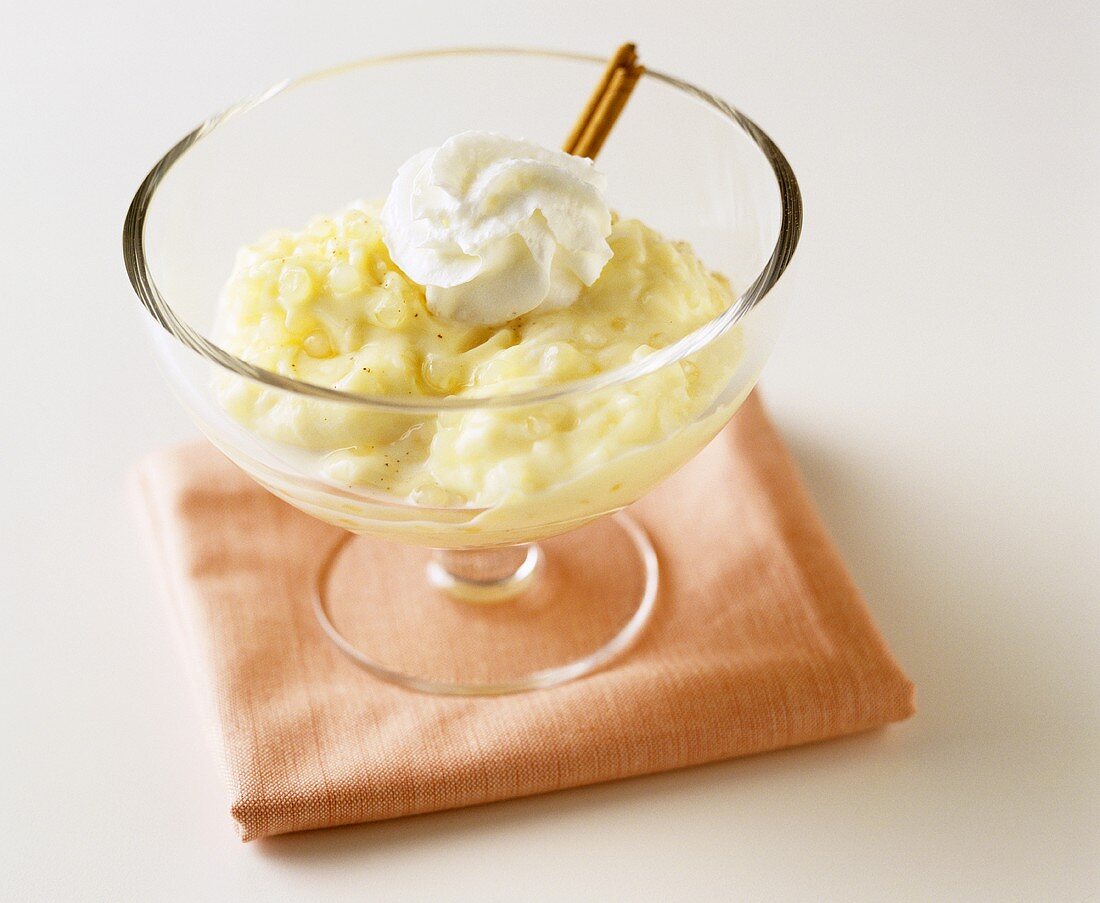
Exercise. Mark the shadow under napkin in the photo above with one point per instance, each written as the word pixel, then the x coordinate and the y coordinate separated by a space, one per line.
pixel 760 641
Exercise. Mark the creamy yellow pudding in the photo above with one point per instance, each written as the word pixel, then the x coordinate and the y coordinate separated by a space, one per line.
pixel 327 305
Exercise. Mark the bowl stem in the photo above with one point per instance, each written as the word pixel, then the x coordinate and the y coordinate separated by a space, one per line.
pixel 485 576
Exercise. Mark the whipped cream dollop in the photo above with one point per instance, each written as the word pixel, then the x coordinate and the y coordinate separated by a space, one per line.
pixel 494 227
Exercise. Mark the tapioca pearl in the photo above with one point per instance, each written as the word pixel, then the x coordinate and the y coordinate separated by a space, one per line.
pixel 554 328
pixel 500 340
pixel 295 286
pixel 345 332
pixel 394 280
pixel 671 418
pixel 317 345
pixel 273 330
pixel 535 427
pixel 320 228
pixel 356 228
pixel 508 477
pixel 561 416
pixel 593 337
pixel 388 311
pixel 299 323
pixel 349 466
pixel 637 424
pixel 360 256
pixel 397 283
pixel 563 361
pixel 275 243
pixel 262 279
pixel 432 495
pixel 630 288
pixel 477 437
pixel 382 270
pixel 344 280
pixel 442 373
pixel 306 251
pixel 547 456
pixel 364 380
pixel 668 304
pixel 670 260
pixel 497 369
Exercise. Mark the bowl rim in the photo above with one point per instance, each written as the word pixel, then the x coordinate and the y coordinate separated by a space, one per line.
pixel 137 264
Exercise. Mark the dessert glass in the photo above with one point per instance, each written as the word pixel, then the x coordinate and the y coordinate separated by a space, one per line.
pixel 431 595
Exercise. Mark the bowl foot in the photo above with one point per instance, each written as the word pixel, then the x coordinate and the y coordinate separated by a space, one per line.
pixel 570 605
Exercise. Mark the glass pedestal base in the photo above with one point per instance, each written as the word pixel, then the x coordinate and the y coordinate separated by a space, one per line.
pixel 494 621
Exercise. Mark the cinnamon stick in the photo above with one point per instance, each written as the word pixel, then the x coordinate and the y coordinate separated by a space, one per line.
pixel 606 104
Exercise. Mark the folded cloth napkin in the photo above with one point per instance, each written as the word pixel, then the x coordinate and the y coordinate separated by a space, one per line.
pixel 760 641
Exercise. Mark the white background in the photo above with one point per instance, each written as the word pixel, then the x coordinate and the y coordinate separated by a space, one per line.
pixel 937 382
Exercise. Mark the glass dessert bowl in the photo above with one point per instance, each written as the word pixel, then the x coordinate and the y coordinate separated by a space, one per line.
pixel 474 469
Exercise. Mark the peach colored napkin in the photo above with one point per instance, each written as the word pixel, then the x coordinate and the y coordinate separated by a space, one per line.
pixel 761 641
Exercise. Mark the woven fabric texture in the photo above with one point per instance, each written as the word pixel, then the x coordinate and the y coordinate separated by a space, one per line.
pixel 760 641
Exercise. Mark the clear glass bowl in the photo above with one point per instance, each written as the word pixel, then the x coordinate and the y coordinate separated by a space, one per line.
pixel 540 587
